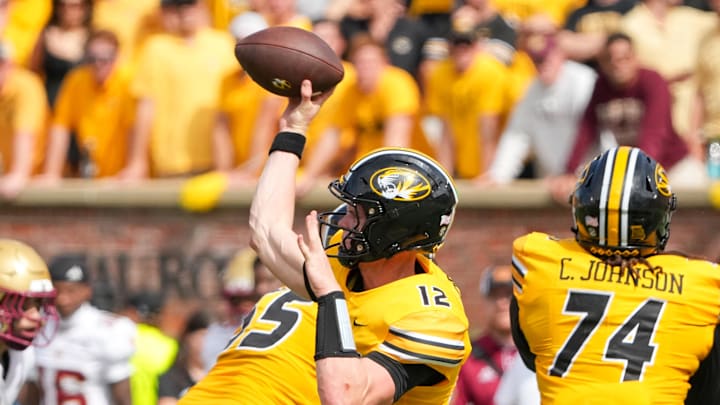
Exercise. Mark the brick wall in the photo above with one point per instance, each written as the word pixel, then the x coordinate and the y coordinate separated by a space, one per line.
pixel 182 253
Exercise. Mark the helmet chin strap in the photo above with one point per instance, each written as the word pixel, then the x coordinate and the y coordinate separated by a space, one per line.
pixel 18 345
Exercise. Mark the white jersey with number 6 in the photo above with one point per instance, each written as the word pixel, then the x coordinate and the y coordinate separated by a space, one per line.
pixel 91 351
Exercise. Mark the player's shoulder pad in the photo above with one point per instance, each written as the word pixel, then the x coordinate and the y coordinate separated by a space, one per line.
pixel 532 237
pixel 533 245
pixel 429 337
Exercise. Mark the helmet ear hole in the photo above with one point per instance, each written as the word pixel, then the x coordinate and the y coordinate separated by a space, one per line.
pixel 649 184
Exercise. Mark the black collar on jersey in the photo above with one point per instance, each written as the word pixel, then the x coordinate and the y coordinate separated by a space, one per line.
pixel 355 283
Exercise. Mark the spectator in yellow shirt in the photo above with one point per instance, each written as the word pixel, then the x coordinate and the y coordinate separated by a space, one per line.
pixel 20 24
pixel 177 82
pixel 247 121
pixel 329 31
pixel 519 10
pixel 131 20
pixel 23 116
pixel 382 106
pixel 95 105
pixel 468 92
pixel 247 116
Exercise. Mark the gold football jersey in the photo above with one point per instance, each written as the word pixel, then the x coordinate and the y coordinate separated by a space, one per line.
pixel 268 361
pixel 605 336
pixel 414 320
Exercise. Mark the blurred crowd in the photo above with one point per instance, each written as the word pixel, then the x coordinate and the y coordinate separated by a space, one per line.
pixel 496 90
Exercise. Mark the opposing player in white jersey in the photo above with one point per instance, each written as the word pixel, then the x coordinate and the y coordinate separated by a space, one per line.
pixel 26 303
pixel 88 360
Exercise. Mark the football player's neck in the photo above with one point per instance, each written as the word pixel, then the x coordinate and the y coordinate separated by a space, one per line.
pixel 384 271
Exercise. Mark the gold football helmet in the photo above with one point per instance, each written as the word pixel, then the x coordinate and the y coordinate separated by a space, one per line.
pixel 23 275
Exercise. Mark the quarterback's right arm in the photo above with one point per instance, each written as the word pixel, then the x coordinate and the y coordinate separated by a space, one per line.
pixel 272 210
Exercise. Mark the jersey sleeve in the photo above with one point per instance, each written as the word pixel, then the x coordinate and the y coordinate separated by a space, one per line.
pixel 522 294
pixel 120 347
pixel 436 339
pixel 519 269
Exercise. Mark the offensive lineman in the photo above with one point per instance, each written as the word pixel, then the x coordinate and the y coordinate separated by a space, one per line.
pixel 609 315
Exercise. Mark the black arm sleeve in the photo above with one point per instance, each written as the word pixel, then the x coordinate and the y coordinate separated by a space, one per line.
pixel 705 383
pixel 406 376
pixel 519 338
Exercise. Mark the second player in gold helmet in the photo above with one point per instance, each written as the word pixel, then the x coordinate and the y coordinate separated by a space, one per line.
pixel 622 204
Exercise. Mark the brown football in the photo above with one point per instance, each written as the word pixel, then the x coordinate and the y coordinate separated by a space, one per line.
pixel 280 58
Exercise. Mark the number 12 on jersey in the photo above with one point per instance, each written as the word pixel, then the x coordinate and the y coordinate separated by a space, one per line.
pixel 630 343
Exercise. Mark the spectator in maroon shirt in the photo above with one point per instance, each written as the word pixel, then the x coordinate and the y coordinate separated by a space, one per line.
pixel 493 352
pixel 630 105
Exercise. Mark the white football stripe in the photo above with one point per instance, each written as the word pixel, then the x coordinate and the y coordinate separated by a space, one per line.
pixel 627 191
pixel 604 192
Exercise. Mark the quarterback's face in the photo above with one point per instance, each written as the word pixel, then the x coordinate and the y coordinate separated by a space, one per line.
pixel 354 219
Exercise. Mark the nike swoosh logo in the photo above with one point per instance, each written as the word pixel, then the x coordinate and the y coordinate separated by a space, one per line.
pixel 355 323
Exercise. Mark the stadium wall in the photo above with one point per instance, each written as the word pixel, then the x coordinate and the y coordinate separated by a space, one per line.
pixel 138 237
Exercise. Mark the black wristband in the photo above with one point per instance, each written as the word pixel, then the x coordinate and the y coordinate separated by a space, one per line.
pixel 333 336
pixel 288 142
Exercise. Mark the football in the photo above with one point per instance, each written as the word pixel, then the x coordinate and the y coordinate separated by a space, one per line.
pixel 280 58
